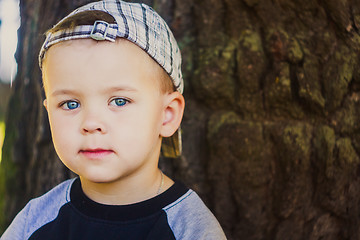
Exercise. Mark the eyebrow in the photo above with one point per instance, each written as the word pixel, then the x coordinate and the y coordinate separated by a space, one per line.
pixel 108 90
pixel 63 92
pixel 120 89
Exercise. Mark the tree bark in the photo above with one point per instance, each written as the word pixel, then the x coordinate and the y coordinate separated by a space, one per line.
pixel 271 132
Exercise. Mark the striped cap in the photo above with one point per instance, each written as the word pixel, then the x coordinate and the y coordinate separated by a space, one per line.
pixel 135 22
pixel 139 24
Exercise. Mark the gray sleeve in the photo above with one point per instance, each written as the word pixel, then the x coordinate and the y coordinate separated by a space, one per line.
pixel 38 212
pixel 190 219
pixel 16 230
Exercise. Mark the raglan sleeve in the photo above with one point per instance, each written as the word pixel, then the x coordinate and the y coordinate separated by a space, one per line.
pixel 17 228
pixel 38 212
pixel 189 219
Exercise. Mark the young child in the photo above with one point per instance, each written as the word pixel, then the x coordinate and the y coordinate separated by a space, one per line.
pixel 113 84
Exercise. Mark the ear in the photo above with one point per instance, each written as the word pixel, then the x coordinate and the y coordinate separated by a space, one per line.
pixel 45 104
pixel 173 113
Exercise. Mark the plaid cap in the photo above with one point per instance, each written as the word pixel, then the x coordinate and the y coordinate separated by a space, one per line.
pixel 139 24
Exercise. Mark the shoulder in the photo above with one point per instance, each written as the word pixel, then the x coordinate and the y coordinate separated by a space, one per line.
pixel 38 212
pixel 59 192
pixel 189 218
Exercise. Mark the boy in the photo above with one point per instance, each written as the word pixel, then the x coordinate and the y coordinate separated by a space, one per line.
pixel 113 85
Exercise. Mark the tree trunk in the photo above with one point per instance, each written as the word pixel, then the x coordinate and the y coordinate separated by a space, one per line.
pixel 271 131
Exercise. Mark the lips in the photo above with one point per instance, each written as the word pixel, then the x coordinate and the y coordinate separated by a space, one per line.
pixel 95 153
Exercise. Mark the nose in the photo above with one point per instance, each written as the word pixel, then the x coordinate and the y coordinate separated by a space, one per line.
pixel 93 123
pixel 89 129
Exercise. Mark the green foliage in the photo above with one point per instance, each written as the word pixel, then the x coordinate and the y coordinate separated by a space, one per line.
pixel 2 179
pixel 8 169
pixel 4 96
pixel 2 136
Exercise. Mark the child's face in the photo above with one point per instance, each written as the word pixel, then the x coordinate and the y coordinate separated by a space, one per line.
pixel 105 108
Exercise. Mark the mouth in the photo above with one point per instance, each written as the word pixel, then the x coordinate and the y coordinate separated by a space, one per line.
pixel 95 153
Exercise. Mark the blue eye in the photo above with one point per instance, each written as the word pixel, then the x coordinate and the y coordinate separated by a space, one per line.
pixel 119 102
pixel 70 105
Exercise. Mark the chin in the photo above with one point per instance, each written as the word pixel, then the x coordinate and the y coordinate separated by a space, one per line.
pixel 99 178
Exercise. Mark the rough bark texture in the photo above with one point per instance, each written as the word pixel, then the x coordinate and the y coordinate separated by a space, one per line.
pixel 272 124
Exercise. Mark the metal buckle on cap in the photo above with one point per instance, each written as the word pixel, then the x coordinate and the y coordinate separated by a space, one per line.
pixel 97 35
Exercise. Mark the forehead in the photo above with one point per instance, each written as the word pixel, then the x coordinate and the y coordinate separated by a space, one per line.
pixel 97 62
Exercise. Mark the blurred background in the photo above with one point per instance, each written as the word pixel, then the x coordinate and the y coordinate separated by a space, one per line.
pixel 271 131
pixel 9 24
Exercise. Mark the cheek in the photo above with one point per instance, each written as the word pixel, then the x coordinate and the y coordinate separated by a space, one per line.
pixel 150 120
pixel 62 133
pixel 140 128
